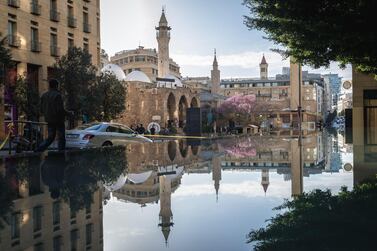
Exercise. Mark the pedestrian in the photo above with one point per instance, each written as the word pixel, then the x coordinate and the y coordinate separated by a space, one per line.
pixel 153 130
pixel 52 108
pixel 137 129
pixel 141 129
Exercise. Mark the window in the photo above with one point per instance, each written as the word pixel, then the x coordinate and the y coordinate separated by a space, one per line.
pixel 56 213
pixel 125 130
pixel 54 44
pixel 15 223
pixel 86 46
pixel 71 18
pixel 57 243
pixel 74 239
pixel 71 43
pixel 88 230
pixel 35 8
pixel 38 247
pixel 54 14
pixel 86 26
pixel 370 114
pixel 13 39
pixel 37 218
pixel 112 129
pixel 35 45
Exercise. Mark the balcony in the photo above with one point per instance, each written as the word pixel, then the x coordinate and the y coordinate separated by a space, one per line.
pixel 55 51
pixel 35 8
pixel 86 27
pixel 35 46
pixel 14 3
pixel 54 16
pixel 14 41
pixel 72 22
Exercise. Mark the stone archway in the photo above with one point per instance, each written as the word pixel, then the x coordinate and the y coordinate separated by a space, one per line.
pixel 194 103
pixel 183 148
pixel 172 149
pixel 182 110
pixel 171 107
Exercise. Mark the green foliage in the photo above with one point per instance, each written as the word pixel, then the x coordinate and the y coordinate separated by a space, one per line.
pixel 7 195
pixel 26 97
pixel 318 32
pixel 76 75
pixel 321 221
pixel 5 59
pixel 107 98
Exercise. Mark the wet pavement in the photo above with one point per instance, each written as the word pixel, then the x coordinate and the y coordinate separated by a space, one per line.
pixel 166 195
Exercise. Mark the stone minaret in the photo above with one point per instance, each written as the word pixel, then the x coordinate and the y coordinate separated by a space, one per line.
pixel 263 68
pixel 265 179
pixel 166 215
pixel 215 76
pixel 163 39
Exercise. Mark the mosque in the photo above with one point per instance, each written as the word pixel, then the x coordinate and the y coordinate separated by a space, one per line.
pixel 156 95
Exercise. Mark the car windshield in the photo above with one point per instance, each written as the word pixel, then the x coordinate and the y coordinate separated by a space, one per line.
pixel 89 127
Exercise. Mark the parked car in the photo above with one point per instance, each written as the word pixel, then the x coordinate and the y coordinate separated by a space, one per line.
pixel 102 134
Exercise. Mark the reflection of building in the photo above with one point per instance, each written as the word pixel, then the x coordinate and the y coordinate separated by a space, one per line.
pixel 216 174
pixel 37 222
pixel 37 32
pixel 166 215
pixel 265 179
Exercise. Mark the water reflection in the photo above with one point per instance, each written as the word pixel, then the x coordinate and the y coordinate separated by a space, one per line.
pixel 212 191
pixel 54 201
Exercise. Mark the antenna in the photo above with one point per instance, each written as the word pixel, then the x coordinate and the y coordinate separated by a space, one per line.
pixel 163 8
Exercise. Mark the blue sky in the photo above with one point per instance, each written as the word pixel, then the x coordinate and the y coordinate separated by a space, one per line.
pixel 198 26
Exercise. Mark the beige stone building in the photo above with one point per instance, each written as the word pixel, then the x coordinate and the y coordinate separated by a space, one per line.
pixel 279 97
pixel 150 61
pixel 39 31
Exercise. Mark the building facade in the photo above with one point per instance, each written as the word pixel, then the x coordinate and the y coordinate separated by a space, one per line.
pixel 39 31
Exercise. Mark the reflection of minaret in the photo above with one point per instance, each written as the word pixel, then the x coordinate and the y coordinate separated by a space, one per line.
pixel 216 174
pixel 163 38
pixel 296 167
pixel 265 179
pixel 215 76
pixel 166 215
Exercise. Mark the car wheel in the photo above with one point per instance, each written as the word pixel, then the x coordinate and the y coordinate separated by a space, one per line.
pixel 107 143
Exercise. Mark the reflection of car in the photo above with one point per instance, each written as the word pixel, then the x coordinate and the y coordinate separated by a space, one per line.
pixel 102 134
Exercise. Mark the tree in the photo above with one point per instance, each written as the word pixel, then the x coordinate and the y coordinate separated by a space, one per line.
pixel 107 98
pixel 76 75
pixel 5 59
pixel 26 98
pixel 318 32
pixel 321 221
pixel 238 107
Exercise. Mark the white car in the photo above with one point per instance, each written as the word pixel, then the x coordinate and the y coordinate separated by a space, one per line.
pixel 102 134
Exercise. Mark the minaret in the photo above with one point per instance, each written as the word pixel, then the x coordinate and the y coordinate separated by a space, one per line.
pixel 163 39
pixel 166 214
pixel 263 68
pixel 216 174
pixel 265 179
pixel 215 76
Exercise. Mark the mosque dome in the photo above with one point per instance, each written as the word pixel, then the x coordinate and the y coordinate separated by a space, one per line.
pixel 138 76
pixel 118 184
pixel 177 81
pixel 115 70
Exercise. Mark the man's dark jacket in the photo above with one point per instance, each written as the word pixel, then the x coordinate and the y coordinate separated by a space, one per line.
pixel 52 107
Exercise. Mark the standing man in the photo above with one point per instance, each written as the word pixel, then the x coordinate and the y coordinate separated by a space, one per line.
pixel 52 108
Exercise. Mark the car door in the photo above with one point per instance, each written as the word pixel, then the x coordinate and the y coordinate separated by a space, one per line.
pixel 127 134
pixel 113 135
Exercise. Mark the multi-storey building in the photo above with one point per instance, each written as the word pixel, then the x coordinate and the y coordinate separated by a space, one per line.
pixel 276 95
pixel 39 31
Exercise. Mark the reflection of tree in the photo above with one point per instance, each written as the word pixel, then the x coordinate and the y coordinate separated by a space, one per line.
pixel 321 221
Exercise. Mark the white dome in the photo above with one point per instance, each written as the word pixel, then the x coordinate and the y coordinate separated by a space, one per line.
pixel 138 76
pixel 115 70
pixel 177 81
pixel 118 184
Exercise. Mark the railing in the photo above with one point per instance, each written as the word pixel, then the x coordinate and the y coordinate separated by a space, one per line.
pixel 35 8
pixel 35 46
pixel 55 51
pixel 25 135
pixel 86 27
pixel 14 3
pixel 72 22
pixel 54 15
pixel 14 41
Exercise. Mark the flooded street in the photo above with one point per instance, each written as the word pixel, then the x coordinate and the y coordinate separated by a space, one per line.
pixel 166 195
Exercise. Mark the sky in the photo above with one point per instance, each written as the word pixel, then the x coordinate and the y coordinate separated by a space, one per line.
pixel 198 26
